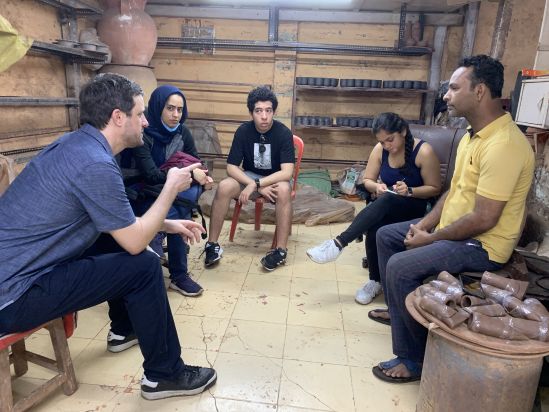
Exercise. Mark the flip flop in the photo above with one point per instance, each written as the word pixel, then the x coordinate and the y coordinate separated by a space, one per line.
pixel 378 319
pixel 413 367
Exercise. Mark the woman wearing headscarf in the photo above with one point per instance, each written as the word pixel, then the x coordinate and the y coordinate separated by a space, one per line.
pixel 166 135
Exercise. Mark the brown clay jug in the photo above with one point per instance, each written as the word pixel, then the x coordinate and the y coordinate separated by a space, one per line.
pixel 128 30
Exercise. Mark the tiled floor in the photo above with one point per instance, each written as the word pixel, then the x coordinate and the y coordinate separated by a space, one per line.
pixel 292 340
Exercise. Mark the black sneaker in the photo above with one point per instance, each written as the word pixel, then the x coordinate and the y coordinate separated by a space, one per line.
pixel 274 258
pixel 214 252
pixel 193 380
pixel 118 343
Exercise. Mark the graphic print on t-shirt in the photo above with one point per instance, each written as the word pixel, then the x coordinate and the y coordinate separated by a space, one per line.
pixel 262 158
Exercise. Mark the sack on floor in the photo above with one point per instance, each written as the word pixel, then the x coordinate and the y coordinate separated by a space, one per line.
pixel 310 206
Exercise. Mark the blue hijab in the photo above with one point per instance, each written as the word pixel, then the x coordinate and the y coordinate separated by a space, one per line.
pixel 160 134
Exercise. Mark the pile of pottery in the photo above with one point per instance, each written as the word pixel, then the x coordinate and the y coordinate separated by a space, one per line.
pixel 493 306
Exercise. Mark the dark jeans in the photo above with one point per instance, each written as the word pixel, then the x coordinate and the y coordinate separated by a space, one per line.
pixel 386 209
pixel 402 271
pixel 177 249
pixel 132 285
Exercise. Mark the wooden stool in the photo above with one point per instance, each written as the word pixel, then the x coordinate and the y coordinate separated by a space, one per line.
pixel 60 329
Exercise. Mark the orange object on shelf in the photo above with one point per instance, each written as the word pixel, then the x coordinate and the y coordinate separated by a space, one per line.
pixel 535 73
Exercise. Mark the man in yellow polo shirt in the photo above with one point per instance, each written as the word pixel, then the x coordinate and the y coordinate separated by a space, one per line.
pixel 473 227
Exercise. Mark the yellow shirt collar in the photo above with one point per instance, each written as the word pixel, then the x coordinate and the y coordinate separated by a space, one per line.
pixel 492 127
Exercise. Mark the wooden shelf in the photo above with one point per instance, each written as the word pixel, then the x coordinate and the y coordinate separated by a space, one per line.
pixel 361 90
pixel 72 54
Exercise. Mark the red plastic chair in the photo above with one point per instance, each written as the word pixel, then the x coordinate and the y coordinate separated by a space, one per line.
pixel 60 329
pixel 259 201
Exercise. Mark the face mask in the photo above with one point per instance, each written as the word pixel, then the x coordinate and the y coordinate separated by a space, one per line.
pixel 170 129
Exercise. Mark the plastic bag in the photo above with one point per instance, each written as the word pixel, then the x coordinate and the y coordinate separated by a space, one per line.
pixel 349 177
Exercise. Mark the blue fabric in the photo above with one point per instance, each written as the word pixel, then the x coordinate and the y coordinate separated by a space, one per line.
pixel 57 207
pixel 177 250
pixel 156 129
pixel 402 271
pixel 390 175
pixel 134 288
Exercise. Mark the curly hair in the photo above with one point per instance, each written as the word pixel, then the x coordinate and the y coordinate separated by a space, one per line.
pixel 486 70
pixel 261 94
pixel 391 123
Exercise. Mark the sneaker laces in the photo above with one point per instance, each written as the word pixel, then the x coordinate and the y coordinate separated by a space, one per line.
pixel 370 287
pixel 207 249
pixel 191 369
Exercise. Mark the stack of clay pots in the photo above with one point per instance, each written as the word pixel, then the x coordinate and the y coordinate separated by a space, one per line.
pixel 404 84
pixel 313 121
pixel 366 83
pixel 346 121
pixel 316 81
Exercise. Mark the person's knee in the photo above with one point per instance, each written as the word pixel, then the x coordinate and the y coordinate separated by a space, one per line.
pixel 146 265
pixel 227 189
pixel 283 192
pixel 382 234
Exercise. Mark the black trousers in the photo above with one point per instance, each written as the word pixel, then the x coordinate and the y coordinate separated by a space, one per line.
pixel 132 285
pixel 386 209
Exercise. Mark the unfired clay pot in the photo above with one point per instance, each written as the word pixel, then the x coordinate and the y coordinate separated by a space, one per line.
pixel 128 30
pixel 142 75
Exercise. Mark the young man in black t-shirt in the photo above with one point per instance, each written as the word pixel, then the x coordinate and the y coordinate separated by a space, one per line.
pixel 265 149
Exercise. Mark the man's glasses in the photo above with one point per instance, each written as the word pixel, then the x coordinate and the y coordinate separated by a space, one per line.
pixel 262 144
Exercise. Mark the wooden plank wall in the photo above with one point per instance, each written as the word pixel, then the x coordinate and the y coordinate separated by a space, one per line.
pixel 35 76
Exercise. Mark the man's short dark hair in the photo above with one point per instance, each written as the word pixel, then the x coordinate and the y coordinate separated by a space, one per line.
pixel 486 70
pixel 105 93
pixel 261 94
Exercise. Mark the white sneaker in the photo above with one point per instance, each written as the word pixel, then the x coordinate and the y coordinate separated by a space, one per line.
pixel 368 292
pixel 324 253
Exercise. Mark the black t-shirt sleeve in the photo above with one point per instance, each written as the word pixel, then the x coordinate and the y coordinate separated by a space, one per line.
pixel 236 154
pixel 287 150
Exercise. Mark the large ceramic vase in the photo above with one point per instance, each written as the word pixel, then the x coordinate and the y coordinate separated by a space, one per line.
pixel 142 75
pixel 128 30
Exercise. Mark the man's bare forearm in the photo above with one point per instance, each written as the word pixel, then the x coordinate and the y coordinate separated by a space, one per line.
pixel 432 218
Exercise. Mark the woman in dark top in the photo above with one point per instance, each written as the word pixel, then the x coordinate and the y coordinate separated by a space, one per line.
pixel 166 135
pixel 402 173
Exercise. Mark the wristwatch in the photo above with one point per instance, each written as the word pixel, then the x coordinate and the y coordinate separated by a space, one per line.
pixel 257 184
pixel 410 191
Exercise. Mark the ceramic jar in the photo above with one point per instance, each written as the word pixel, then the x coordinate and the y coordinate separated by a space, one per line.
pixel 129 31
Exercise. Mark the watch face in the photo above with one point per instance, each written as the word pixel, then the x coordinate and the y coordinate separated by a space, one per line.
pixel 410 191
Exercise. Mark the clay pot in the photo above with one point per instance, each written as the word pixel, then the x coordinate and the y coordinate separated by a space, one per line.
pixel 129 31
pixel 142 75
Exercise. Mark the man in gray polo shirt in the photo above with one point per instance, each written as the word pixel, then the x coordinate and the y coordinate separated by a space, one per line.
pixel 57 208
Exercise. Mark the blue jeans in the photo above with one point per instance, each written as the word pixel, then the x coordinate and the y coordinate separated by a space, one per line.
pixel 134 288
pixel 402 271
pixel 177 250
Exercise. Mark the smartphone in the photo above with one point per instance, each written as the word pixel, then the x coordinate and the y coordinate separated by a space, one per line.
pixel 471 286
pixel 391 191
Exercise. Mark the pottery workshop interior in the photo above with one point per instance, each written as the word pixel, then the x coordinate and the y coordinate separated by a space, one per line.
pixel 284 322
